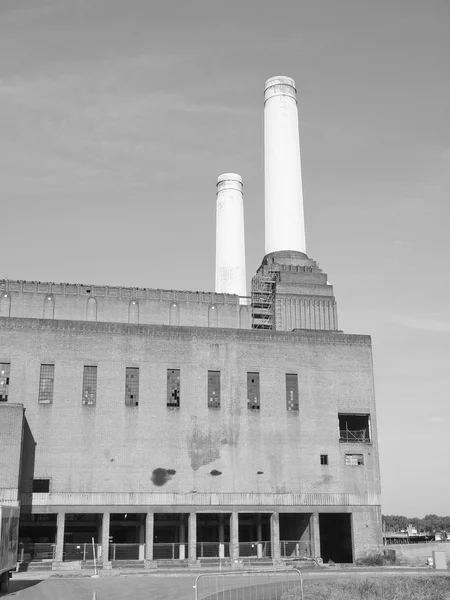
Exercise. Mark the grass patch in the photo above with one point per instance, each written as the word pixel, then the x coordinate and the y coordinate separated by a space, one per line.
pixel 380 588
pixel 377 559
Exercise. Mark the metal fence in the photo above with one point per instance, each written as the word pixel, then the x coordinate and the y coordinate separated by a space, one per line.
pixel 83 551
pixel 295 549
pixel 213 549
pixel 170 551
pixel 268 584
pixel 125 552
pixel 255 549
pixel 31 552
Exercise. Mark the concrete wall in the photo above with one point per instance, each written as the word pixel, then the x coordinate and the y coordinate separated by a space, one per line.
pixel 267 456
pixel 121 305
pixel 11 433
pixel 418 553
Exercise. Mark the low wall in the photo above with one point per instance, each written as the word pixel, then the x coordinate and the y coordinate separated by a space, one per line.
pixel 419 552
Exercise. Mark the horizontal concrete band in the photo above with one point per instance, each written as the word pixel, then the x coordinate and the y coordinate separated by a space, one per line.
pixel 188 332
pixel 197 500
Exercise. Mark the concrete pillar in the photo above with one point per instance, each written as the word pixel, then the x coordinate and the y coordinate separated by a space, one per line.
pixel 230 244
pixel 60 525
pixel 182 530
pixel 315 535
pixel 275 535
pixel 221 528
pixel 258 528
pixel 192 536
pixel 284 220
pixel 141 530
pixel 149 535
pixel 105 539
pixel 234 536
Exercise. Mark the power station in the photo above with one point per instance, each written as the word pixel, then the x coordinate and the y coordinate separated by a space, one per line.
pixel 188 427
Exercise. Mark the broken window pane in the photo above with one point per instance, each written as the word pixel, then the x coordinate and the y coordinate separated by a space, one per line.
pixel 253 398
pixel 354 460
pixel 173 388
pixel 292 391
pixel 46 380
pixel 131 386
pixel 214 389
pixel 4 381
pixel 89 385
pixel 354 428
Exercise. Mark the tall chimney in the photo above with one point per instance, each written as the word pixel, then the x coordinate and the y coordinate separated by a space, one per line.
pixel 284 222
pixel 230 244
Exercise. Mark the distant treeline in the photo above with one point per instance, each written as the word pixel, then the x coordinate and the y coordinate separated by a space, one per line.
pixel 429 524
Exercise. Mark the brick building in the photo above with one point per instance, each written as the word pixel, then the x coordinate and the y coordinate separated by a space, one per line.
pixel 182 425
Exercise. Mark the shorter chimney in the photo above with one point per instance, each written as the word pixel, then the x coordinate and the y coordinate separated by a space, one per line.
pixel 230 244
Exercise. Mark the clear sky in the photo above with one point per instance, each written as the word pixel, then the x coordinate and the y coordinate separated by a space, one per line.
pixel 116 116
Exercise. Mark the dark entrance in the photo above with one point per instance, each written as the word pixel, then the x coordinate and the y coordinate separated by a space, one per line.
pixel 336 537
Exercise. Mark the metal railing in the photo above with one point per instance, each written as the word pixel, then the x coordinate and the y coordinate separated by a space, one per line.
pixel 255 549
pixel 359 436
pixel 267 584
pixel 82 551
pixel 125 552
pixel 170 551
pixel 295 549
pixel 36 552
pixel 213 549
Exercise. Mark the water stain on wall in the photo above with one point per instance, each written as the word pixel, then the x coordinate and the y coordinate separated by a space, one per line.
pixel 161 476
pixel 203 448
pixel 215 472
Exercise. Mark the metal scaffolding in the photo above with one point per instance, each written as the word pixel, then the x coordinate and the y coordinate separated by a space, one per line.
pixel 263 298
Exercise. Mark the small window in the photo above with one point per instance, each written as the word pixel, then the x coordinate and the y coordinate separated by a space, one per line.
pixel 41 486
pixel 354 460
pixel 173 388
pixel 131 386
pixel 89 385
pixel 253 396
pixel 46 381
pixel 4 381
pixel 324 459
pixel 292 391
pixel 354 428
pixel 214 389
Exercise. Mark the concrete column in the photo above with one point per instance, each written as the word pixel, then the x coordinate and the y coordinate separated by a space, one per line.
pixel 192 535
pixel 234 536
pixel 275 537
pixel 60 525
pixel 182 530
pixel 221 528
pixel 105 539
pixel 149 535
pixel 258 528
pixel 230 245
pixel 315 535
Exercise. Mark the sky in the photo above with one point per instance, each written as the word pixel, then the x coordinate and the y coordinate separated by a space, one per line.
pixel 117 116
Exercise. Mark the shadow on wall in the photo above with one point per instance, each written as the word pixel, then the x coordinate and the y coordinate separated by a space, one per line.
pixel 28 460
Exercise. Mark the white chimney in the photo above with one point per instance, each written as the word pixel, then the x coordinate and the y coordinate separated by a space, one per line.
pixel 284 221
pixel 230 244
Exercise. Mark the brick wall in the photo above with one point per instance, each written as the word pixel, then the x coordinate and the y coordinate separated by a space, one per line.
pixel 11 428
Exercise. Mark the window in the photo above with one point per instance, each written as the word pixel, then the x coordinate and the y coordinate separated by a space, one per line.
pixel 4 381
pixel 354 460
pixel 46 380
pixel 214 389
pixel 41 486
pixel 292 391
pixel 253 397
pixel 89 385
pixel 131 386
pixel 354 428
pixel 324 459
pixel 173 388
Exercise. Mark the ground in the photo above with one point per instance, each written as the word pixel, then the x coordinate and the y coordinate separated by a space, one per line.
pixel 159 586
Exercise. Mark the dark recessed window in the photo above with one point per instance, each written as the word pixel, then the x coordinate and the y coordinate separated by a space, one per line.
pixel 4 381
pixel 131 386
pixel 173 388
pixel 292 391
pixel 324 459
pixel 41 486
pixel 253 395
pixel 89 385
pixel 354 428
pixel 214 389
pixel 46 380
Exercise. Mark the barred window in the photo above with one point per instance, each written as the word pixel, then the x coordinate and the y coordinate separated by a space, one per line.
pixel 354 460
pixel 4 381
pixel 253 397
pixel 214 389
pixel 292 391
pixel 89 385
pixel 131 386
pixel 46 380
pixel 173 388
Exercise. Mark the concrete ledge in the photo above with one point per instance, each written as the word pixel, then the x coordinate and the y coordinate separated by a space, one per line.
pixel 74 565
